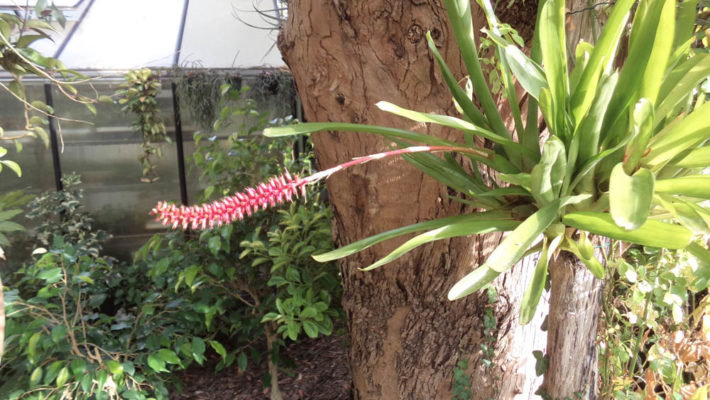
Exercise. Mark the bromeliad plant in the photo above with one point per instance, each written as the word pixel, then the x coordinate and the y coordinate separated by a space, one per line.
pixel 623 157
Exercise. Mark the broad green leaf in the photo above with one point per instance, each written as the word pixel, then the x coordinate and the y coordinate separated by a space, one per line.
pixel 217 346
pixel 547 176
pixel 422 226
pixel 391 133
pixel 115 367
pixel 531 298
pixel 464 101
pixel 169 356
pixel 678 137
pixel 601 59
pixel 462 227
pixel 13 166
pixel 62 377
pixel 641 124
pixel 156 363
pixel 630 196
pixel 530 75
pixel 522 179
pixel 696 158
pixel 692 186
pixel 652 233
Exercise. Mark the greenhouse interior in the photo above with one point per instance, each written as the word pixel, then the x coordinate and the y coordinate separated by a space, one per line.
pixel 101 148
pixel 354 200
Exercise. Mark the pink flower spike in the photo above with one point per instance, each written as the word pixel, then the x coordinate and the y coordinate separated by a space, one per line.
pixel 233 208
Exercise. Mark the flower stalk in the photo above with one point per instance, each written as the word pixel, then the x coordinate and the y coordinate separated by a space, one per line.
pixel 275 191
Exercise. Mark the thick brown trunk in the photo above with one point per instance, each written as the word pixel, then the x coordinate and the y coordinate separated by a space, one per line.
pixel 405 335
pixel 575 306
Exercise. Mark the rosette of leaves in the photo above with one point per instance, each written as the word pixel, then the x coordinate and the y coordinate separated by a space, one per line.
pixel 622 158
pixel 138 96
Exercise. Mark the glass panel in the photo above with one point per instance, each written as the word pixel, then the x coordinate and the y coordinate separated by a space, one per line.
pixel 125 34
pixel 35 159
pixel 105 155
pixel 247 46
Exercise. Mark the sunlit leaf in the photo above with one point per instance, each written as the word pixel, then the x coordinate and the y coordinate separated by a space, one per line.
pixel 652 233
pixel 630 196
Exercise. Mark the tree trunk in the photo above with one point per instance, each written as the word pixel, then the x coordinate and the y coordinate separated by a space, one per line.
pixel 405 336
pixel 271 339
pixel 575 306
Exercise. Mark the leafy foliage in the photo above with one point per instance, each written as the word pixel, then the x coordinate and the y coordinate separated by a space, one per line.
pixel 60 214
pixel 657 326
pixel 612 164
pixel 251 281
pixel 18 32
pixel 138 96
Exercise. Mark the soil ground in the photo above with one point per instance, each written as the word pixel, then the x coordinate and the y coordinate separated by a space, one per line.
pixel 320 373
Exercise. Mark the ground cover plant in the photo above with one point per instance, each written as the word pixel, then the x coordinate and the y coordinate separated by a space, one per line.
pixel 621 158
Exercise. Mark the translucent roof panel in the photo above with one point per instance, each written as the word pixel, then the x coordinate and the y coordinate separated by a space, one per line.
pixel 230 34
pixel 125 34
pixel 128 34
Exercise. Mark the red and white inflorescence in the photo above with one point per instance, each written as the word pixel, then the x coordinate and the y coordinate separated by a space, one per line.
pixel 233 208
pixel 277 190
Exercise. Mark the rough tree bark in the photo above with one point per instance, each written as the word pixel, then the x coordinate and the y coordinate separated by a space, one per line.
pixel 405 336
pixel 575 305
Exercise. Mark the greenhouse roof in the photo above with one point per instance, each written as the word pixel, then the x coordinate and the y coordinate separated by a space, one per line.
pixel 128 34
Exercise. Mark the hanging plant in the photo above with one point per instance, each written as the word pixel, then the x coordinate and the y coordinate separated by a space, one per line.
pixel 201 94
pixel 275 91
pixel 138 95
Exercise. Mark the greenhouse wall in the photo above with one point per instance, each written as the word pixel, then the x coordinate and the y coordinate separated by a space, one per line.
pixel 103 150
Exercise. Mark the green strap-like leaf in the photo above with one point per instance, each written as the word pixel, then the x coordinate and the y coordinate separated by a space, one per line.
pixel 464 101
pixel 641 122
pixel 587 258
pixel 462 227
pixel 660 53
pixel 532 295
pixel 554 58
pixel 600 59
pixel 547 176
pixel 390 133
pixel 696 158
pixel 461 21
pixel 679 84
pixel 692 186
pixel 652 233
pixel 422 226
pixel 451 122
pixel 685 134
pixel 630 196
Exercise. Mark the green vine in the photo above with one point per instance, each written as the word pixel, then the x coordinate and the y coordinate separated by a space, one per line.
pixel 138 95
